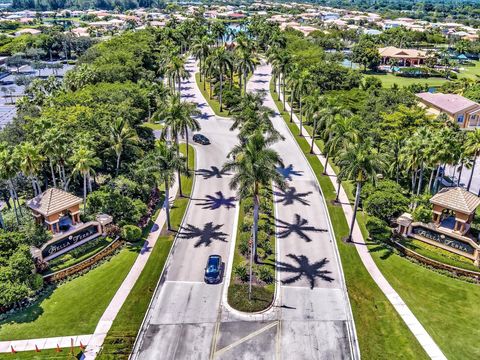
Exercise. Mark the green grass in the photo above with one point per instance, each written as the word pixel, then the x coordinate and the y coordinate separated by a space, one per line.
pixel 214 103
pixel 50 354
pixel 439 254
pixel 448 308
pixel 471 72
pixel 381 332
pixel 119 341
pixel 262 296
pixel 389 79
pixel 75 307
pixel 153 126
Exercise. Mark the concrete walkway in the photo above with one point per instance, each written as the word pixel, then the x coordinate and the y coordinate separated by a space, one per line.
pixel 94 341
pixel 406 314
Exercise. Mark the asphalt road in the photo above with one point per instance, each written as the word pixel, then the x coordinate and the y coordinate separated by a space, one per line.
pixel 311 318
pixel 315 316
pixel 185 310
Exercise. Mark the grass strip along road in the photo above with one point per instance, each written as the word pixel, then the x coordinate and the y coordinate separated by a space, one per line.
pixel 119 341
pixel 212 102
pixel 51 354
pixel 380 330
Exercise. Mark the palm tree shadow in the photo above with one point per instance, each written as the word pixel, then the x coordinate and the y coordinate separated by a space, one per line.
pixel 288 172
pixel 299 227
pixel 214 202
pixel 304 269
pixel 386 251
pixel 212 172
pixel 290 195
pixel 205 236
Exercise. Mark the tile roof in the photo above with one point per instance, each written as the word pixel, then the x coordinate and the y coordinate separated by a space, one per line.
pixel 451 103
pixel 392 51
pixel 457 199
pixel 53 201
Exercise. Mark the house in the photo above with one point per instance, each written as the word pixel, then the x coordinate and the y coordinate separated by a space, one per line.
pixel 405 57
pixel 465 112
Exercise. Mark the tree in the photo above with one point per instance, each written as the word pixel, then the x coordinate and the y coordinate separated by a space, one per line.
pixel 8 171
pixel 359 162
pixel 221 60
pixel 365 52
pixel 30 161
pixel 84 160
pixel 245 63
pixel 163 162
pixel 473 149
pixel 122 136
pixel 201 50
pixel 299 85
pixel 176 72
pixel 178 117
pixel 254 165
pixel 17 61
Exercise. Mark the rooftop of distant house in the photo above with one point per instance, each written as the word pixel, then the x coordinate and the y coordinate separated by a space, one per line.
pixel 392 51
pixel 450 103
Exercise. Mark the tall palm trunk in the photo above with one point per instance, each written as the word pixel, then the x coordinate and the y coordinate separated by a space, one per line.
pixel 430 181
pixel 291 107
pixel 179 85
pixel 471 173
pixel 54 179
pixel 313 135
pixel 221 91
pixel 118 164
pixel 460 174
pixel 12 196
pixel 245 84
pixel 179 177
pixel 84 193
pixel 256 207
pixel 35 191
pixel 279 83
pixel 326 163
pixel 355 209
pixel 339 182
pixel 186 141
pixel 420 180
pixel 240 81
pixel 167 205
pixel 2 223
pixel 283 94
pixel 301 120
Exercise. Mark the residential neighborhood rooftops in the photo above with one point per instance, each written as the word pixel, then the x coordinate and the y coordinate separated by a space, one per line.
pixel 450 103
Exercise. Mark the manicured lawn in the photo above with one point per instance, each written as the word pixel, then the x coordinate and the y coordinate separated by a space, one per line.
pixel 214 103
pixel 448 308
pixel 389 79
pixel 262 296
pixel 75 307
pixel 119 341
pixel 471 72
pixel 439 254
pixel 381 332
pixel 50 354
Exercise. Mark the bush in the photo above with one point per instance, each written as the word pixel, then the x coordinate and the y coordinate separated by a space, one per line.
pixel 262 237
pixel 241 272
pixel 386 204
pixel 378 229
pixel 261 253
pixel 266 274
pixel 247 223
pixel 131 233
pixel 243 246
pixel 247 205
pixel 423 214
pixel 264 225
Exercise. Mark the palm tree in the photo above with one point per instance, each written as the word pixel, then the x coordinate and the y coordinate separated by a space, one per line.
pixel 176 72
pixel 201 50
pixel 50 140
pixel 254 165
pixel 30 163
pixel 218 30
pixel 359 162
pixel 8 171
pixel 245 62
pixel 84 160
pixel 164 162
pixel 473 149
pixel 281 63
pixel 178 119
pixel 121 137
pixel 221 59
pixel 313 106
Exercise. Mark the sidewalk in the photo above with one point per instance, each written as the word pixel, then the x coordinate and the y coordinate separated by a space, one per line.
pixel 94 341
pixel 406 314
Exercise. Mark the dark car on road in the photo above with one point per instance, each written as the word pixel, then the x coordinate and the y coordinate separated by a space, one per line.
pixel 201 139
pixel 213 270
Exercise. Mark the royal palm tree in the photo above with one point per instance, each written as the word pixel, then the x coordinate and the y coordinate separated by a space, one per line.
pixel 30 161
pixel 201 50
pixel 313 106
pixel 8 171
pixel 164 162
pixel 176 72
pixel 84 161
pixel 122 135
pixel 473 149
pixel 221 59
pixel 178 117
pixel 254 165
pixel 218 30
pixel 245 63
pixel 50 141
pixel 359 162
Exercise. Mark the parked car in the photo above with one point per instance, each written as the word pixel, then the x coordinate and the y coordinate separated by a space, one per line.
pixel 213 270
pixel 201 139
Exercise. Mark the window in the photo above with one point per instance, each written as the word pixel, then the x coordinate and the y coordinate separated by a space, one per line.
pixel 474 120
pixel 460 118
